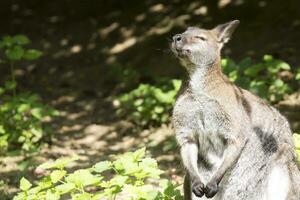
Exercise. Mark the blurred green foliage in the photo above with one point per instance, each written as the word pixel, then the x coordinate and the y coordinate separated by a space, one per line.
pixel 151 105
pixel 261 78
pixel 21 121
pixel 297 145
pixel 148 105
pixel 127 175
pixel 21 115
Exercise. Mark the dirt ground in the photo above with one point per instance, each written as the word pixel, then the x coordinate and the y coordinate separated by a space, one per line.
pixel 83 40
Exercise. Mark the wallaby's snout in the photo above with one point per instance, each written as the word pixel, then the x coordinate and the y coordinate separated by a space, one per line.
pixel 179 45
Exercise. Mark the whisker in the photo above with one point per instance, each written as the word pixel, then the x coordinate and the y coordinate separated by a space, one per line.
pixel 169 39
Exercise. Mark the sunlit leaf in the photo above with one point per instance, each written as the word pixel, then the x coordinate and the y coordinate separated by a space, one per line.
pixel 59 163
pixel 102 166
pixel 82 178
pixel 65 188
pixel 37 113
pixel 52 195
pixel 57 175
pixel 25 184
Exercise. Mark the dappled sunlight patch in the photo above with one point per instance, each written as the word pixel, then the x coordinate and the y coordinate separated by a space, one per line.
pixel 76 49
pixel 64 42
pixel 65 99
pixel 104 32
pixel 223 3
pixel 60 54
pixel 201 10
pixel 72 128
pixel 140 17
pixel 123 45
pixel 167 24
pixel 157 8
pixel 126 143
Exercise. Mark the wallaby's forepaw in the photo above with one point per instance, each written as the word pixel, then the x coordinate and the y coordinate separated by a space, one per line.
pixel 198 188
pixel 211 189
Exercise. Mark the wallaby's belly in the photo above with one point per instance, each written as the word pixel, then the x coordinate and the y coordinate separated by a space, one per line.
pixel 211 149
pixel 207 122
pixel 211 137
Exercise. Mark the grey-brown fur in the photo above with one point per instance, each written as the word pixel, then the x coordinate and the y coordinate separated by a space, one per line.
pixel 234 145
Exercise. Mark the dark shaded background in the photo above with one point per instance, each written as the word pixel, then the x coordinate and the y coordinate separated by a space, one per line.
pixel 82 39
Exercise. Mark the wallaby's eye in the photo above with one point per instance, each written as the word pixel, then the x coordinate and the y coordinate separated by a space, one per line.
pixel 201 37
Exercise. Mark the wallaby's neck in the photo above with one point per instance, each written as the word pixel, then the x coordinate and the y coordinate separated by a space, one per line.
pixel 205 77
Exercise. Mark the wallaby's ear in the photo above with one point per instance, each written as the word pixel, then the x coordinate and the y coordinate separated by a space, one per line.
pixel 224 31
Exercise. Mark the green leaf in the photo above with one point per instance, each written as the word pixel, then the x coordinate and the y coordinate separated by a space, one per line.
pixel 25 184
pixel 82 196
pixel 45 183
pixel 158 109
pixel 20 196
pixel 253 70
pixel 284 65
pixel 2 130
pixel 37 113
pixel 278 83
pixel 32 54
pixel 8 41
pixel 52 195
pixel 2 90
pixel 139 154
pixel 15 53
pixel 298 76
pixel 118 180
pixel 102 166
pixel 59 163
pixel 65 188
pixel 23 108
pixel 82 177
pixel 21 39
pixel 268 58
pixel 57 175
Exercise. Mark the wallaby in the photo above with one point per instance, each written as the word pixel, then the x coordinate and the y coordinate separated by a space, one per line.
pixel 234 146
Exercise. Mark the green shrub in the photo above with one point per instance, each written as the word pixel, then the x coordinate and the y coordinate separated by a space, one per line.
pixel 125 178
pixel 21 115
pixel 151 104
pixel 148 104
pixel 21 121
pixel 261 78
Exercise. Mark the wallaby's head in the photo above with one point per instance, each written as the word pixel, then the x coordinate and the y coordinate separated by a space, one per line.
pixel 199 47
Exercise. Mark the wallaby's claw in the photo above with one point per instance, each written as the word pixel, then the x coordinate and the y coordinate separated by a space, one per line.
pixel 211 189
pixel 198 188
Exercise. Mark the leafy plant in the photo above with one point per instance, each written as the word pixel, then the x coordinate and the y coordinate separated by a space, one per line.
pixel 14 51
pixel 297 77
pixel 125 178
pixel 21 121
pixel 297 145
pixel 261 78
pixel 21 115
pixel 148 104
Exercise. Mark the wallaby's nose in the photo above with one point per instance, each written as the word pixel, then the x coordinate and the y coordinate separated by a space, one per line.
pixel 177 38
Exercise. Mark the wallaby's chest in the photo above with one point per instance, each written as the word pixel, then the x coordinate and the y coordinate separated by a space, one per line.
pixel 207 121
